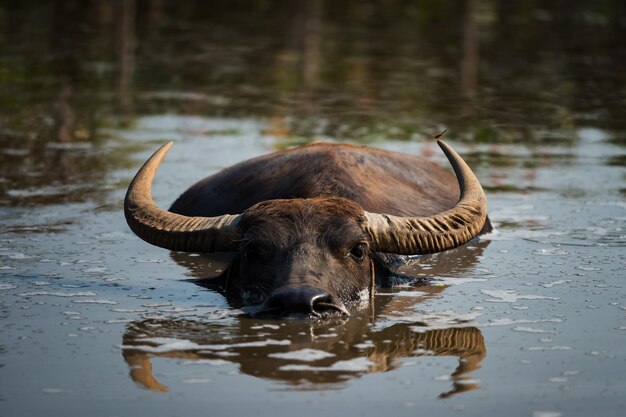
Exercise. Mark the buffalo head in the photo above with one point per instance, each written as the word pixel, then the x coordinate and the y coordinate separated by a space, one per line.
pixel 305 257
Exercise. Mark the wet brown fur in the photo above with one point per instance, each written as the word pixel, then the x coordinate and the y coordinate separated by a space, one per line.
pixel 377 180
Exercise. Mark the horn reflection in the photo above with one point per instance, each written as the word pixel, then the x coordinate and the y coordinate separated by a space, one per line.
pixel 301 354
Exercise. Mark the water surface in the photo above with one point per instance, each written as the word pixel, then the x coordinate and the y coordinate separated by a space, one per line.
pixel 527 321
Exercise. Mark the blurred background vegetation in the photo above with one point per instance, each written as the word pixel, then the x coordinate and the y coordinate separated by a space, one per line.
pixel 529 72
pixel 515 70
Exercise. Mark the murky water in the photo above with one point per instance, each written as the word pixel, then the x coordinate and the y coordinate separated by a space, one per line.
pixel 528 321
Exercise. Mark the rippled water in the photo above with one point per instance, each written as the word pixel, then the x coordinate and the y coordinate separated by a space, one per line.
pixel 527 321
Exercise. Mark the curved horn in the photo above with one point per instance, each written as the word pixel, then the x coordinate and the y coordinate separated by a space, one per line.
pixel 443 231
pixel 174 231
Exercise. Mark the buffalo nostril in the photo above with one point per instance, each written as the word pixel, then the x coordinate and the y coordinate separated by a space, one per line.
pixel 300 301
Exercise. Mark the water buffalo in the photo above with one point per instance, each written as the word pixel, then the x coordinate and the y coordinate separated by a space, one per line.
pixel 313 227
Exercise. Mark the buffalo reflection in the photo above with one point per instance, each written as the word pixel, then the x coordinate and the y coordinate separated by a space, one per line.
pixel 305 354
pixel 310 354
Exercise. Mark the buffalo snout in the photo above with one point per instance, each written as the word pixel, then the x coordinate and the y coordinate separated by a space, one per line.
pixel 297 302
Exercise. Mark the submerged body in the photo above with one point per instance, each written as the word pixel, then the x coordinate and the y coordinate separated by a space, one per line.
pixel 314 226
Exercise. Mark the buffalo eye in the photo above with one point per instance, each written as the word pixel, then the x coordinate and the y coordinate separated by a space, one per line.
pixel 358 251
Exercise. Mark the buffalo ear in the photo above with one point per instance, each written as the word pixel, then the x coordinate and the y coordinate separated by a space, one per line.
pixel 386 267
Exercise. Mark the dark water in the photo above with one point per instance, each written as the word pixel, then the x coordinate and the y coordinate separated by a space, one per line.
pixel 529 321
